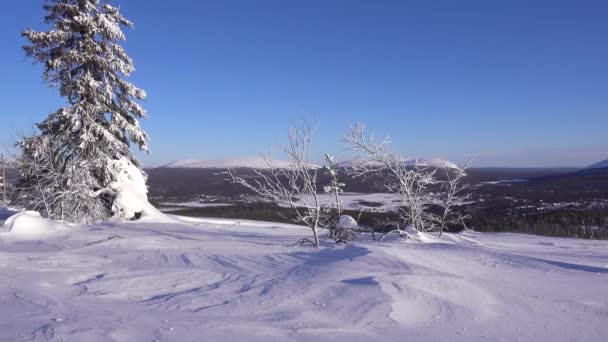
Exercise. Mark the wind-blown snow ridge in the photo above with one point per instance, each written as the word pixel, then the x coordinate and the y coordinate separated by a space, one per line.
pixel 250 162
pixel 190 279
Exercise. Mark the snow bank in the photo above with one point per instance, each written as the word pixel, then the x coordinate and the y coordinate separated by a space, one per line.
pixel 347 222
pixel 131 201
pixel 116 283
pixel 29 225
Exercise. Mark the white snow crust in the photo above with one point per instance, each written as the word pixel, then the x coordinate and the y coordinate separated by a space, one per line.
pixel 187 279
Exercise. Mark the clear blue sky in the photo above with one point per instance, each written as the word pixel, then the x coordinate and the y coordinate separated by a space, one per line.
pixel 514 83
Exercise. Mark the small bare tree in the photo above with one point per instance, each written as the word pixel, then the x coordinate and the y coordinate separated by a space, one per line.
pixel 453 194
pixel 294 185
pixel 334 189
pixel 412 183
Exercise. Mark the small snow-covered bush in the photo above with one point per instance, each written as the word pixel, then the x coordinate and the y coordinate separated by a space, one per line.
pixel 420 188
pixel 344 230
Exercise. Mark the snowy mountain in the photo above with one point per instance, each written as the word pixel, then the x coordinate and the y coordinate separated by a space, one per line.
pixel 249 162
pixel 599 165
pixel 436 162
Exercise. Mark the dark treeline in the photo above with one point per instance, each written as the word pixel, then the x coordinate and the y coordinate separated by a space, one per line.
pixel 563 223
pixel 272 213
pixel 585 224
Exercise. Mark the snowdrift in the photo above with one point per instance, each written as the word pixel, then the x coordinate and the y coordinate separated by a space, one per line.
pixel 131 200
pixel 215 279
pixel 29 225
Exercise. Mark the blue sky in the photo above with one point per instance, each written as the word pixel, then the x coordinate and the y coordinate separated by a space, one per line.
pixel 513 83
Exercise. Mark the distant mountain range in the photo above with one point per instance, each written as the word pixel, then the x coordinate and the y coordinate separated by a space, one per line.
pixel 261 163
pixel 250 162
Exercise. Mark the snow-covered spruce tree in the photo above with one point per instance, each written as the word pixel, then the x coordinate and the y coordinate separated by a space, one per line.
pixel 83 59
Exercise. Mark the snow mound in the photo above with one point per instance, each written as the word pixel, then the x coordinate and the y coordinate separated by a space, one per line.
pixel 251 162
pixel 347 222
pixel 131 201
pixel 29 225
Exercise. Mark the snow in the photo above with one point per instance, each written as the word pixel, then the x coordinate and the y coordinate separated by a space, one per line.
pixel 193 204
pixel 435 162
pixel 29 225
pixel 347 222
pixel 599 165
pixel 250 162
pixel 131 192
pixel 188 279
pixel 381 202
pixel 420 162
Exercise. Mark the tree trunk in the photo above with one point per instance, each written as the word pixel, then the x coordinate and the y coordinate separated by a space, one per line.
pixel 316 235
pixel 2 164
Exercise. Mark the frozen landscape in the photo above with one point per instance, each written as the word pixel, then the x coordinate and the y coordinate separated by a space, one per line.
pixel 422 139
pixel 171 278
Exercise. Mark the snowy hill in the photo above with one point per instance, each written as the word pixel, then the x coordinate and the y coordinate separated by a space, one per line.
pixel 260 163
pixel 251 162
pixel 436 162
pixel 599 165
pixel 439 163
pixel 216 280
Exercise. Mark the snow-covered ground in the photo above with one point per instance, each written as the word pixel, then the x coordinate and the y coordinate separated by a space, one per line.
pixel 190 204
pixel 381 202
pixel 373 201
pixel 186 279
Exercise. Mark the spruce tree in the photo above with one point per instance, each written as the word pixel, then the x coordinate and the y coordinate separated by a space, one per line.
pixel 83 59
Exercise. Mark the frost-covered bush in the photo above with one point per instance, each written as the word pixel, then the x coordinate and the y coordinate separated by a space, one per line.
pixel 429 202
pixel 296 185
pixel 344 230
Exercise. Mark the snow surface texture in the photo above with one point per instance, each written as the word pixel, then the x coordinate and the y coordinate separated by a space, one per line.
pixel 216 280
pixel 251 162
